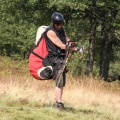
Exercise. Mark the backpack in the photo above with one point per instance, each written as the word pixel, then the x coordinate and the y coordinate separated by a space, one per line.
pixel 38 56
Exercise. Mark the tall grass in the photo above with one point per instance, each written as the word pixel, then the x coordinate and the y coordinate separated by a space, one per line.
pixel 85 97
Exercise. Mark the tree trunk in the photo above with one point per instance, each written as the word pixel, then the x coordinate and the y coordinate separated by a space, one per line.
pixel 105 53
pixel 101 71
pixel 89 67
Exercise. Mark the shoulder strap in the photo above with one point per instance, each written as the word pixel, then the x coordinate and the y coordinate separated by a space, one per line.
pixel 51 28
pixel 32 50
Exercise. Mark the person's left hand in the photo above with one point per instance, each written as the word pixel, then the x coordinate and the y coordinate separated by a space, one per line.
pixel 80 49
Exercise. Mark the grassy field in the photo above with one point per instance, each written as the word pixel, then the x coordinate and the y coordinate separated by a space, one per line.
pixel 24 98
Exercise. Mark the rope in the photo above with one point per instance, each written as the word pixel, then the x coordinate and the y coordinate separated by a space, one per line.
pixel 60 72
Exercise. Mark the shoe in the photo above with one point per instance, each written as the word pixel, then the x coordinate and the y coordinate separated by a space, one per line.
pixel 60 106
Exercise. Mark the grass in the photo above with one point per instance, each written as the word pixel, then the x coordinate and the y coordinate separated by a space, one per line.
pixel 24 98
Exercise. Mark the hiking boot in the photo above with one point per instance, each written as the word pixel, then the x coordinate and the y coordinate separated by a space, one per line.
pixel 60 106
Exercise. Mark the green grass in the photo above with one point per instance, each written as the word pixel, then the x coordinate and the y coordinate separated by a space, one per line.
pixel 24 98
pixel 18 111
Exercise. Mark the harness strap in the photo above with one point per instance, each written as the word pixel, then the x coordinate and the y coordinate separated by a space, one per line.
pixel 37 55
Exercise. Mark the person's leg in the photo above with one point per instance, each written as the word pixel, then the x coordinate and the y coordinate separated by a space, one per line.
pixel 59 104
pixel 58 94
pixel 60 84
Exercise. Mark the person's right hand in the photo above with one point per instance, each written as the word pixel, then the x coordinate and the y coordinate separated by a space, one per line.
pixel 71 44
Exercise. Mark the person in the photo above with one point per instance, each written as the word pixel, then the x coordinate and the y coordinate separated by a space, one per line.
pixel 57 39
pixel 53 64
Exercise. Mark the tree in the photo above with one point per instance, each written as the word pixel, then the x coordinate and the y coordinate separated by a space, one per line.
pixel 108 19
pixel 90 14
pixel 101 14
pixel 19 20
pixel 92 23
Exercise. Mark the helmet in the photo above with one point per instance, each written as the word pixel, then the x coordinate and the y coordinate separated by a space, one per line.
pixel 57 18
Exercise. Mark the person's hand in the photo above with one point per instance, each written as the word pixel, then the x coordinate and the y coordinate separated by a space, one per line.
pixel 80 49
pixel 71 44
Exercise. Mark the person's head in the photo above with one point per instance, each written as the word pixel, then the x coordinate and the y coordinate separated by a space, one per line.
pixel 57 20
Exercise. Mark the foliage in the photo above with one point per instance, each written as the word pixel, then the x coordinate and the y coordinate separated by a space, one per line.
pixel 19 20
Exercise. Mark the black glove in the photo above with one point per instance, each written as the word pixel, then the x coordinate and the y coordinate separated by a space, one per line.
pixel 71 43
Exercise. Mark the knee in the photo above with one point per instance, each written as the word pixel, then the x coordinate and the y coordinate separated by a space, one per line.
pixel 60 83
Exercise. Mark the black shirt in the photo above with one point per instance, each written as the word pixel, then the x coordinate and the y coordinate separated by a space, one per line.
pixel 53 49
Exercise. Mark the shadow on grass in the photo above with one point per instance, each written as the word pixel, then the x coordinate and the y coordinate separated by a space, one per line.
pixel 73 110
pixel 85 111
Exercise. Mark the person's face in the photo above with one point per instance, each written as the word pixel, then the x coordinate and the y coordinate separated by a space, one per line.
pixel 58 26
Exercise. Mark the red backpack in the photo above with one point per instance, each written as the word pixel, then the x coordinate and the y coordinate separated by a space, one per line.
pixel 36 57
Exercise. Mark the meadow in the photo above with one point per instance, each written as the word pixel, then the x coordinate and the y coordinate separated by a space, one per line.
pixel 24 98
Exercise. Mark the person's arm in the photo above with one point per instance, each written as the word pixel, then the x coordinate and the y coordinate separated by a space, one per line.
pixel 67 38
pixel 71 48
pixel 53 37
pixel 72 45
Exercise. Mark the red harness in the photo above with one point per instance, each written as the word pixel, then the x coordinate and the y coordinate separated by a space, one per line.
pixel 35 59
